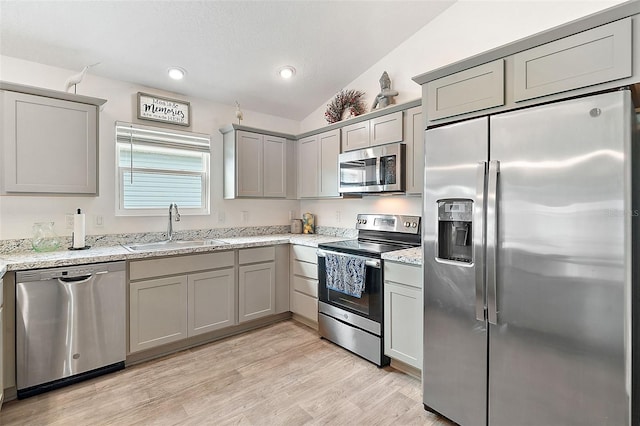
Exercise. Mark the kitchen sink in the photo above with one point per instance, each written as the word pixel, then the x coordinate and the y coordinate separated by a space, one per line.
pixel 174 244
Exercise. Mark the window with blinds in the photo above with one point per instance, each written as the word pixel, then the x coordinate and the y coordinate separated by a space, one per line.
pixel 157 167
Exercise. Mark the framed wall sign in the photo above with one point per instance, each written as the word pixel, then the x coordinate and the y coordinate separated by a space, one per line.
pixel 156 108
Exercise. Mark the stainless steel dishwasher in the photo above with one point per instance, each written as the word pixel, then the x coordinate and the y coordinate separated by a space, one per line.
pixel 70 325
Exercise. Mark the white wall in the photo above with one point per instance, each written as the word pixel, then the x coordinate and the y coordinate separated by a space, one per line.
pixel 342 212
pixel 465 29
pixel 18 213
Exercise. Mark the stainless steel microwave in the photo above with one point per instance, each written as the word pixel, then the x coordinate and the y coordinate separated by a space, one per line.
pixel 376 169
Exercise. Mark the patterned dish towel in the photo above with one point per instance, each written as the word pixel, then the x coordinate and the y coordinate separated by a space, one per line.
pixel 345 274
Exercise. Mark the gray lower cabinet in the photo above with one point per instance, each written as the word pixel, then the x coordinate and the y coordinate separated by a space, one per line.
pixel 256 283
pixel 49 144
pixel 1 345
pixel 591 57
pixel 211 301
pixel 403 326
pixel 1 356
pixel 304 283
pixel 173 298
pixel 318 165
pixel 157 312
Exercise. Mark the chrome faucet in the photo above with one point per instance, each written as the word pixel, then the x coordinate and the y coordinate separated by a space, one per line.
pixel 172 207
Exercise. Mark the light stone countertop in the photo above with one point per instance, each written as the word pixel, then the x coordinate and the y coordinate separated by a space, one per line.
pixel 411 255
pixel 34 260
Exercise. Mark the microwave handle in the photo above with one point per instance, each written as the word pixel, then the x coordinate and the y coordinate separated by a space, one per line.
pixel 379 171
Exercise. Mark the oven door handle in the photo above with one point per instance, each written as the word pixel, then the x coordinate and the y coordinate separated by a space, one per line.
pixel 374 263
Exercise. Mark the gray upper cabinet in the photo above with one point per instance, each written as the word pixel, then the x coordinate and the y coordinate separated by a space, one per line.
pixel 308 167
pixel 466 91
pixel 49 142
pixel 385 129
pixel 274 167
pixel 598 52
pixel 355 136
pixel 376 131
pixel 329 145
pixel 257 165
pixel 414 140
pixel 584 59
pixel 249 161
pixel 318 165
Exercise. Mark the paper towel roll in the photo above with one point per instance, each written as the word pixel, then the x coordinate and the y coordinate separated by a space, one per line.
pixel 78 230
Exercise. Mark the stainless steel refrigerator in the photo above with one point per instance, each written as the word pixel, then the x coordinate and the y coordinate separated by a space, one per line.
pixel 527 238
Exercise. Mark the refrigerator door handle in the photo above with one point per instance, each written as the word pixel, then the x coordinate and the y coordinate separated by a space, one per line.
pixel 478 239
pixel 492 241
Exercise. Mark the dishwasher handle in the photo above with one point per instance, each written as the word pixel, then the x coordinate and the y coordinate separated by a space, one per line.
pixel 76 280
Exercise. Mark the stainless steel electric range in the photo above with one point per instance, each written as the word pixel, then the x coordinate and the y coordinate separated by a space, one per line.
pixel 353 318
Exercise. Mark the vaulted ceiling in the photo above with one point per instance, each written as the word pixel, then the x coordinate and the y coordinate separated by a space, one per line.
pixel 231 50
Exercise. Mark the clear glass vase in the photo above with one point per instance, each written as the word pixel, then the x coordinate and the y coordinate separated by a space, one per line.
pixel 44 237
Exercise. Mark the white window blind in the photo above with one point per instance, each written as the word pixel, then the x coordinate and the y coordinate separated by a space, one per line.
pixel 157 167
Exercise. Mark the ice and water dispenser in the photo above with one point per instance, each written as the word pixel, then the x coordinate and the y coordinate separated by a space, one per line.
pixel 455 233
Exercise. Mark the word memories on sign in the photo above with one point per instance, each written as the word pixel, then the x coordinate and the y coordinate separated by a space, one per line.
pixel 165 110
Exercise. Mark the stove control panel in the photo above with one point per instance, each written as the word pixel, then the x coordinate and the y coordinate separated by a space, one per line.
pixel 388 222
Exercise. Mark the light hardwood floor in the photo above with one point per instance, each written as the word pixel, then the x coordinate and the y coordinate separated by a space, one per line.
pixel 283 374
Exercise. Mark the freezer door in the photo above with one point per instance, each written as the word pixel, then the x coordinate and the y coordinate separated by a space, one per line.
pixel 455 339
pixel 559 351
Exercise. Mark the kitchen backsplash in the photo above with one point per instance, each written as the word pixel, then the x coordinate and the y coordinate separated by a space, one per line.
pixel 24 245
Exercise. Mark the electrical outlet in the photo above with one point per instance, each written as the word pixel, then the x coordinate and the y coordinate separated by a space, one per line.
pixel 221 216
pixel 245 216
pixel 68 218
pixel 338 216
pixel 291 214
pixel 98 221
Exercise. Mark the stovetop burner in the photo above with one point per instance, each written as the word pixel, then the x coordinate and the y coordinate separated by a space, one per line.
pixel 358 247
pixel 380 234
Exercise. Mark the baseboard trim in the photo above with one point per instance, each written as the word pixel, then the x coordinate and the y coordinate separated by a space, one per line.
pixel 160 351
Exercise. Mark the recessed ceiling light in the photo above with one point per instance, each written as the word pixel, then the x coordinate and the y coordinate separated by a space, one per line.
pixel 287 72
pixel 176 73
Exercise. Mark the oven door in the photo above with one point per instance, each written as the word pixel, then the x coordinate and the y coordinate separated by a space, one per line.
pixel 369 305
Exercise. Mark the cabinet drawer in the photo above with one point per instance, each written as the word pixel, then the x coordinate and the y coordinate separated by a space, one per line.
pixel 258 254
pixel 386 129
pixel 402 273
pixel 466 91
pixel 304 253
pixel 305 306
pixel 179 264
pixel 305 269
pixel 307 286
pixel 596 56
